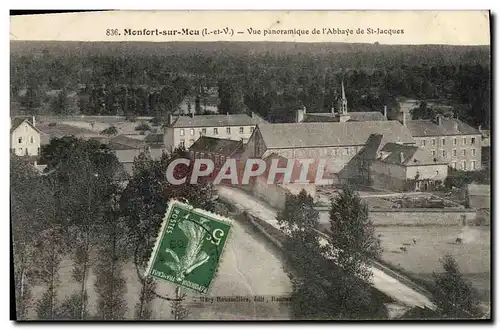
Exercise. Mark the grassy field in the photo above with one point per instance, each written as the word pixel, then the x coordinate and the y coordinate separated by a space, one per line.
pixel 422 259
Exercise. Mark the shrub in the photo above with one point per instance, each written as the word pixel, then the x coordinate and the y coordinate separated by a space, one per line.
pixel 143 127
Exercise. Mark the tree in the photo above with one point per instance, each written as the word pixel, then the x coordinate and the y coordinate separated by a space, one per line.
pixel 110 131
pixel 352 236
pixel 143 127
pixel 144 203
pixel 110 284
pixel 305 256
pixel 454 296
pixel 84 172
pixel 423 111
pixel 60 104
pixel 30 211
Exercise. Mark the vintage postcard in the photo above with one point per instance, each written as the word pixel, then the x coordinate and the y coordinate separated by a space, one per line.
pixel 251 165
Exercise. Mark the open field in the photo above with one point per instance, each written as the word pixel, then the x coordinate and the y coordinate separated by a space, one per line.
pixel 250 267
pixel 422 258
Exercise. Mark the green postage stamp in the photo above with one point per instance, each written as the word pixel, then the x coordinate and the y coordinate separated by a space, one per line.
pixel 189 247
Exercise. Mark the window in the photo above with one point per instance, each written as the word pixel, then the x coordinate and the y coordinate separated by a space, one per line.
pixel 182 143
pixel 455 141
pixel 464 141
pixel 473 152
pixel 191 142
pixel 444 153
pixel 454 152
pixel 20 140
pixel 31 139
pixel 464 165
pixel 472 140
pixel 222 160
pixel 228 130
pixel 335 151
pixel 347 151
pixel 422 142
pixel 464 152
pixel 216 131
pixel 20 151
pixel 433 142
pixel 192 131
pixel 241 130
pixel 473 165
pixel 443 142
pixel 251 129
pixel 203 131
pixel 433 153
pixel 454 164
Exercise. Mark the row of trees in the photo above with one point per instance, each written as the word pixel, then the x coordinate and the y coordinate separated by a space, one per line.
pixel 323 289
pixel 79 209
pixel 272 86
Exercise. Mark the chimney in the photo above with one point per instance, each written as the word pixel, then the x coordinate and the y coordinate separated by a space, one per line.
pixel 455 125
pixel 170 119
pixel 385 111
pixel 439 120
pixel 401 158
pixel 227 113
pixel 403 121
pixel 332 110
pixel 33 121
pixel 304 109
pixel 479 127
pixel 252 114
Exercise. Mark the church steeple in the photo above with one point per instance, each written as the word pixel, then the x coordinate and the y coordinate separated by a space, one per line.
pixel 343 101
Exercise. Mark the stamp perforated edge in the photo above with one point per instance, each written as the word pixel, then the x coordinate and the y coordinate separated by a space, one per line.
pixel 217 217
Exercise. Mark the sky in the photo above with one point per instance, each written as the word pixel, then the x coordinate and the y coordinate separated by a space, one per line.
pixel 394 27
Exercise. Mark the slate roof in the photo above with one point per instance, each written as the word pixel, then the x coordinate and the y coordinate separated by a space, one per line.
pixel 354 116
pixel 448 127
pixel 122 142
pixel 371 148
pixel 127 156
pixel 412 155
pixel 303 135
pixel 218 146
pixel 217 120
pixel 16 122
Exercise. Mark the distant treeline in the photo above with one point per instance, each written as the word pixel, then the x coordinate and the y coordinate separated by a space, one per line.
pixel 272 79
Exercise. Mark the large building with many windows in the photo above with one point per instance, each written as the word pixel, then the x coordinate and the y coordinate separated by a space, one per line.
pixel 185 130
pixel 448 140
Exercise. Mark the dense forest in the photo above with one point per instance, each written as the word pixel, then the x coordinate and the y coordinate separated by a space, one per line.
pixel 272 79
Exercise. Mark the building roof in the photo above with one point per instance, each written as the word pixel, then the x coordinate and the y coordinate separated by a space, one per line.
pixel 407 155
pixel 128 155
pixel 217 120
pixel 218 146
pixel 448 127
pixel 354 116
pixel 303 135
pixel 16 122
pixel 121 142
pixel 154 138
pixel 371 148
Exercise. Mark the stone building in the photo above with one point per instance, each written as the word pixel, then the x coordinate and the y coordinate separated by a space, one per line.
pixel 25 138
pixel 185 130
pixel 448 140
pixel 337 143
pixel 406 168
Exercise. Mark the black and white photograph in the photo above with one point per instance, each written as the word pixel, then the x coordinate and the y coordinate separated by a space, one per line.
pixel 242 166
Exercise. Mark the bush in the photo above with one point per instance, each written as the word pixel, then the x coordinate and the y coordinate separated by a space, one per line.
pixel 143 127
